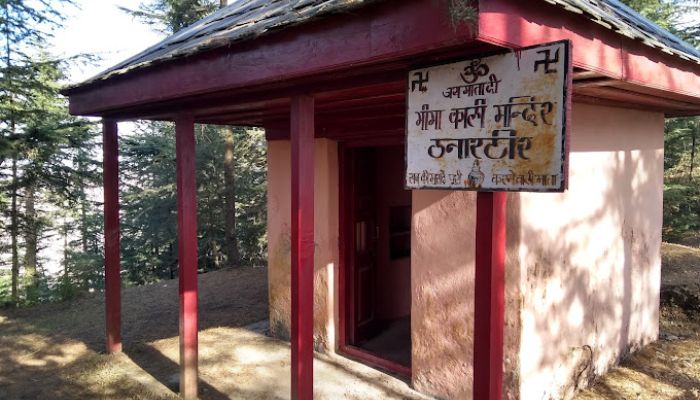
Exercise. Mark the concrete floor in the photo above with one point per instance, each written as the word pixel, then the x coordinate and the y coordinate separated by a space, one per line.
pixel 244 363
pixel 393 342
pixel 56 351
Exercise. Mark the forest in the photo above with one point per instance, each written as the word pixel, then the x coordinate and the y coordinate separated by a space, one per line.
pixel 50 168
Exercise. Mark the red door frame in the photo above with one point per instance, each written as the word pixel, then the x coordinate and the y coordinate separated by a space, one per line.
pixel 345 278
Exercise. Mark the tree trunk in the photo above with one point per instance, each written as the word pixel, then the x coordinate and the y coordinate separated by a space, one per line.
pixel 211 242
pixel 30 239
pixel 83 211
pixel 222 3
pixel 14 183
pixel 231 247
pixel 65 248
pixel 14 231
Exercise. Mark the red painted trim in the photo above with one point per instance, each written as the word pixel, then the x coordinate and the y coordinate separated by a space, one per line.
pixel 374 34
pixel 568 112
pixel 625 96
pixel 385 38
pixel 343 250
pixel 347 238
pixel 489 294
pixel 302 138
pixel 345 275
pixel 111 216
pixel 373 360
pixel 187 253
pixel 514 23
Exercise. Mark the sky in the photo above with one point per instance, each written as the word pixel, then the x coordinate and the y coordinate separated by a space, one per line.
pixel 99 27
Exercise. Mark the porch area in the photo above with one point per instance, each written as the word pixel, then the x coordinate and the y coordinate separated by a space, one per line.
pixel 56 351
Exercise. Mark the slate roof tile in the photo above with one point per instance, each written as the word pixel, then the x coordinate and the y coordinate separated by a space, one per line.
pixel 248 19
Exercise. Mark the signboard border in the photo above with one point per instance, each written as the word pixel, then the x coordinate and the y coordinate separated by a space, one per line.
pixel 566 118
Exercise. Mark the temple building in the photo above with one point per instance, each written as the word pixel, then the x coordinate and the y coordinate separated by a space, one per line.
pixel 363 267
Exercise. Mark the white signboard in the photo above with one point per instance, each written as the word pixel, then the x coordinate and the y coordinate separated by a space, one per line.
pixel 495 123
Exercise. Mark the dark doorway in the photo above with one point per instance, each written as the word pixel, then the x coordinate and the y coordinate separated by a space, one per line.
pixel 376 210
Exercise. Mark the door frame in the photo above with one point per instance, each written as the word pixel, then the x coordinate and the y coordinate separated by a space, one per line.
pixel 346 260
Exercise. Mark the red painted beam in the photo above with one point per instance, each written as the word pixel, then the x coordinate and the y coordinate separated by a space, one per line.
pixel 489 293
pixel 302 138
pixel 374 34
pixel 111 216
pixel 187 254
pixel 514 23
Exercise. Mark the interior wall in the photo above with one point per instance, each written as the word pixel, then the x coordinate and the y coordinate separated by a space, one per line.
pixel 393 275
pixel 326 254
pixel 591 256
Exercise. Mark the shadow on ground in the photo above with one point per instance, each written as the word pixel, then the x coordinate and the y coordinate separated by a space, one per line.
pixel 55 351
pixel 670 367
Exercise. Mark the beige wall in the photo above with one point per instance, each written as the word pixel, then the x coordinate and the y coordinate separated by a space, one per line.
pixel 325 239
pixel 590 257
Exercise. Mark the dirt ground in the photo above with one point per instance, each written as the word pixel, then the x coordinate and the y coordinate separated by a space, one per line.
pixel 56 351
pixel 670 367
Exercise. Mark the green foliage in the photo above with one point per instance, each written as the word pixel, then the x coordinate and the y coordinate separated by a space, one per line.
pixel 682 175
pixel 5 290
pixel 463 12
pixel 661 12
pixel 172 15
pixel 251 195
pixel 682 135
pixel 149 223
pixel 681 212
pixel 46 160
pixel 672 15
pixel 149 244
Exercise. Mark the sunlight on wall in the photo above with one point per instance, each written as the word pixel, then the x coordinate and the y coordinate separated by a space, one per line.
pixel 325 239
pixel 331 306
pixel 590 256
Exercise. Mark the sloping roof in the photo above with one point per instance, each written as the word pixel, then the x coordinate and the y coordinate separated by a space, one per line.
pixel 247 19
pixel 240 20
pixel 615 15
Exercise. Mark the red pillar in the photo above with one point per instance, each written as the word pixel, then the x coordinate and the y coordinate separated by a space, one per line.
pixel 111 215
pixel 489 295
pixel 187 254
pixel 302 137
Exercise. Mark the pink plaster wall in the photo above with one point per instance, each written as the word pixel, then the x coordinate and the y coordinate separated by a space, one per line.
pixel 590 257
pixel 582 267
pixel 325 239
pixel 442 276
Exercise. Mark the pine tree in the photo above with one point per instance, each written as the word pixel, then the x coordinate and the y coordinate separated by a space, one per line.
pixel 224 242
pixel 25 25
pixel 38 139
pixel 170 16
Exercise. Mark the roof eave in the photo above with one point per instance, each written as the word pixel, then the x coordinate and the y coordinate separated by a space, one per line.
pixel 382 33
